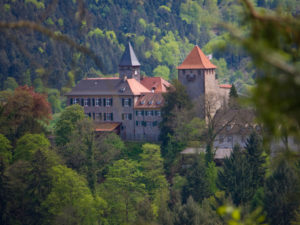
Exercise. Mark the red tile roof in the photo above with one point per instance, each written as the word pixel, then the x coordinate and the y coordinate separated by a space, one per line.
pixel 106 127
pixel 225 86
pixel 157 84
pixel 149 100
pixel 136 87
pixel 196 60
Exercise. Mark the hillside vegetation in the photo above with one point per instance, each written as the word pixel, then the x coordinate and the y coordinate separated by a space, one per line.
pixel 162 33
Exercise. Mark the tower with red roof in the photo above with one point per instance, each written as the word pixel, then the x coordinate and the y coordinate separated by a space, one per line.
pixel 198 75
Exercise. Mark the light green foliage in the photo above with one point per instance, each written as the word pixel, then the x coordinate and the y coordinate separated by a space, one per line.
pixel 60 22
pixel 6 7
pixel 212 177
pixel 111 36
pixel 66 123
pixel 97 32
pixel 54 100
pixel 139 40
pixel 70 200
pixel 38 85
pixel 49 21
pixel 123 191
pixel 142 23
pixel 71 82
pixel 162 71
pixel 38 4
pixel 166 8
pixel 29 144
pixel 5 150
pixel 222 72
pixel 10 84
pixel 152 168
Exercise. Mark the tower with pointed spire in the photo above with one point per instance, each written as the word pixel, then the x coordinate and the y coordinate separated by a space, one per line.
pixel 129 66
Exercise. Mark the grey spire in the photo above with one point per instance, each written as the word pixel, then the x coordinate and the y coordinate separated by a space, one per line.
pixel 129 58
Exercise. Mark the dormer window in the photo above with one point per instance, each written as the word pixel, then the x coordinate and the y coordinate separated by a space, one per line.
pixel 150 102
pixel 135 72
pixel 142 102
pixel 158 102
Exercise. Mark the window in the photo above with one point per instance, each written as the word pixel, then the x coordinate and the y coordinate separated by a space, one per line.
pixel 229 139
pixel 108 116
pixel 99 116
pixel 154 124
pixel 138 112
pixel 97 102
pixel 126 102
pixel 75 101
pixel 138 123
pixel 85 102
pixel 149 124
pixel 158 113
pixel 126 116
pixel 107 102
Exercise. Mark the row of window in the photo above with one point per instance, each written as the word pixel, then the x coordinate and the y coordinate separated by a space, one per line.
pixel 101 116
pixel 98 101
pixel 146 123
pixel 147 113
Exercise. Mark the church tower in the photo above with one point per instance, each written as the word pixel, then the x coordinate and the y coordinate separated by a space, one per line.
pixel 197 74
pixel 129 65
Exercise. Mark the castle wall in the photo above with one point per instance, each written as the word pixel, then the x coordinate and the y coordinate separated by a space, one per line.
pixel 147 124
pixel 193 80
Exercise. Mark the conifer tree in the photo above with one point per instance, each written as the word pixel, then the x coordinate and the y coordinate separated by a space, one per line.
pixel 234 177
pixel 197 182
pixel 233 92
pixel 255 161
pixel 282 196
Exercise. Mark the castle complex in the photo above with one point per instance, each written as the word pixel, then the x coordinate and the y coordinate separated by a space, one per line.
pixel 130 104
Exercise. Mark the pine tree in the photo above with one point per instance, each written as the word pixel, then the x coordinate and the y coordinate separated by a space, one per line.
pixel 282 196
pixel 255 161
pixel 197 182
pixel 233 92
pixel 234 177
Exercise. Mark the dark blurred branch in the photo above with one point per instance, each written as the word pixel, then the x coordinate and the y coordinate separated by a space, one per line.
pixel 269 56
pixel 55 36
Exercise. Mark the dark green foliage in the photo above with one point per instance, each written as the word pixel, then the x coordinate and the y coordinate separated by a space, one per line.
pixel 234 177
pixel 256 161
pixel 197 184
pixel 282 195
pixel 188 213
pixel 209 155
pixel 233 92
pixel 243 173
pixel 176 100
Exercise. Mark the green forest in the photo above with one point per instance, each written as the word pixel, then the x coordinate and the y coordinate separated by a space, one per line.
pixel 54 169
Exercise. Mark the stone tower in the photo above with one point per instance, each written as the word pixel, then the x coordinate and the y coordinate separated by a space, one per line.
pixel 129 66
pixel 197 74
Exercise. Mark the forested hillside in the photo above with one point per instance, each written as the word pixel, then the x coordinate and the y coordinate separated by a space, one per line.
pixel 162 33
pixel 54 167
